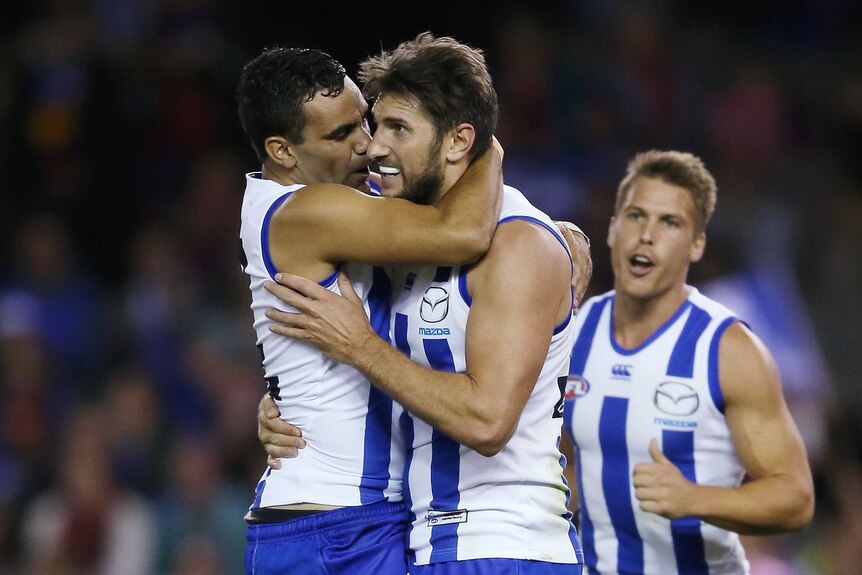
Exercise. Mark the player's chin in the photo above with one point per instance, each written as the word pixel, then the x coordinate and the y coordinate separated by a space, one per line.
pixel 391 186
pixel 359 180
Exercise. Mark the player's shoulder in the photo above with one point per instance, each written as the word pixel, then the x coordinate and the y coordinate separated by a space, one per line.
pixel 321 201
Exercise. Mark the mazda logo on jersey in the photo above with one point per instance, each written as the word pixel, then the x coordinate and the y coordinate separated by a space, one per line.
pixel 676 398
pixel 435 304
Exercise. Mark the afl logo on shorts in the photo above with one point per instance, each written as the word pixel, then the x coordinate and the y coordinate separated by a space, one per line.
pixel 435 304
pixel 576 386
pixel 675 398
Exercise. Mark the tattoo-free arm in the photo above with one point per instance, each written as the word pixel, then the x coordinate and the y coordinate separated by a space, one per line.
pixel 779 496
pixel 321 225
pixel 520 291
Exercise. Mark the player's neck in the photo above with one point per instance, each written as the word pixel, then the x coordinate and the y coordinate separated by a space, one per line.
pixel 281 175
pixel 636 319
pixel 451 174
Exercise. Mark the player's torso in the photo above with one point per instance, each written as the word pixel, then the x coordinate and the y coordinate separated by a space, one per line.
pixel 354 454
pixel 617 400
pixel 465 505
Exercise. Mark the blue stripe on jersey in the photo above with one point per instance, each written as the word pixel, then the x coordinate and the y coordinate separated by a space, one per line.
pixel 688 547
pixel 377 449
pixel 264 236
pixel 462 286
pixel 378 303
pixel 681 363
pixel 616 484
pixel 581 349
pixel 712 366
pixel 258 491
pixel 401 334
pixel 378 420
pixel 445 464
pixel 656 334
pixel 588 539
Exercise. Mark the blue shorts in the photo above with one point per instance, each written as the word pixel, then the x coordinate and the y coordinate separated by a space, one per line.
pixel 497 567
pixel 362 539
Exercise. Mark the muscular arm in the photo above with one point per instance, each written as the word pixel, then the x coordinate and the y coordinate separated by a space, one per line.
pixel 779 496
pixel 520 293
pixel 323 224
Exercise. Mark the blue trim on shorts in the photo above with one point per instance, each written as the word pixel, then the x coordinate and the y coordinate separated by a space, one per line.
pixel 497 566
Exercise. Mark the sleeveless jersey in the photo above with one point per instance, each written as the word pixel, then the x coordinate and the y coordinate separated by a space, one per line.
pixel 617 400
pixel 354 453
pixel 464 505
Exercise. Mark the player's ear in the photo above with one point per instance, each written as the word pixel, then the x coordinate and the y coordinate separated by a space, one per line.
pixel 459 142
pixel 697 247
pixel 280 151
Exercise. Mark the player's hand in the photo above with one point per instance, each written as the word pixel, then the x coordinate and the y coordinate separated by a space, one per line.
pixel 335 324
pixel 661 487
pixel 579 245
pixel 279 438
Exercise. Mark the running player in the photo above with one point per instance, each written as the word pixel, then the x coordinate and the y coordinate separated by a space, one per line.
pixel 672 401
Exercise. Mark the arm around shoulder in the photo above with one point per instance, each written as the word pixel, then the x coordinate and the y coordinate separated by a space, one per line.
pixel 332 223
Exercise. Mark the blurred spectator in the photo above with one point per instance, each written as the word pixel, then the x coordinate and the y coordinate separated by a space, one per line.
pixel 200 514
pixel 88 523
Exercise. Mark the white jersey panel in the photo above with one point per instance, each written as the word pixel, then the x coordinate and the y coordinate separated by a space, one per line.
pixel 464 505
pixel 617 400
pixel 354 453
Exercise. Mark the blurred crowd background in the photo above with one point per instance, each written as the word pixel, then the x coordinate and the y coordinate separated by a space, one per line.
pixel 129 377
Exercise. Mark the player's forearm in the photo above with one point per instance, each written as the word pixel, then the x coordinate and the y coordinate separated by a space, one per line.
pixel 450 402
pixel 471 208
pixel 776 504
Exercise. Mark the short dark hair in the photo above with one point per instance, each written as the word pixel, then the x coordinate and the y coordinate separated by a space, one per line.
pixel 276 84
pixel 448 79
pixel 678 169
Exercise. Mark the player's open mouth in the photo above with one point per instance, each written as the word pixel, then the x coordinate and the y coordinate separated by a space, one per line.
pixel 387 171
pixel 640 264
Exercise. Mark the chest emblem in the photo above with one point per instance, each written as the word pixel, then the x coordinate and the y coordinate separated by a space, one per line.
pixel 676 398
pixel 576 386
pixel 435 304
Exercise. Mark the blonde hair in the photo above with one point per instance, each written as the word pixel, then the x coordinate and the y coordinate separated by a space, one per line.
pixel 676 168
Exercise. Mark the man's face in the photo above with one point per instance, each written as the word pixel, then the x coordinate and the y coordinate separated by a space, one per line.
pixel 653 239
pixel 336 138
pixel 405 146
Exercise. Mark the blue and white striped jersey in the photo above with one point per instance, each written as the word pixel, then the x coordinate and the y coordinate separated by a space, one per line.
pixel 464 505
pixel 354 453
pixel 617 400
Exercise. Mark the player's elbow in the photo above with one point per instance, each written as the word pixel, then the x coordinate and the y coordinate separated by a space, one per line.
pixel 470 245
pixel 490 438
pixel 800 516
pixel 799 509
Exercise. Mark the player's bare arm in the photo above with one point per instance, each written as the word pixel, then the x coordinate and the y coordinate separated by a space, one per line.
pixel 779 495
pixel 518 300
pixel 323 224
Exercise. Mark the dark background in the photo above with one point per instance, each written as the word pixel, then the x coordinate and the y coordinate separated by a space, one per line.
pixel 128 373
